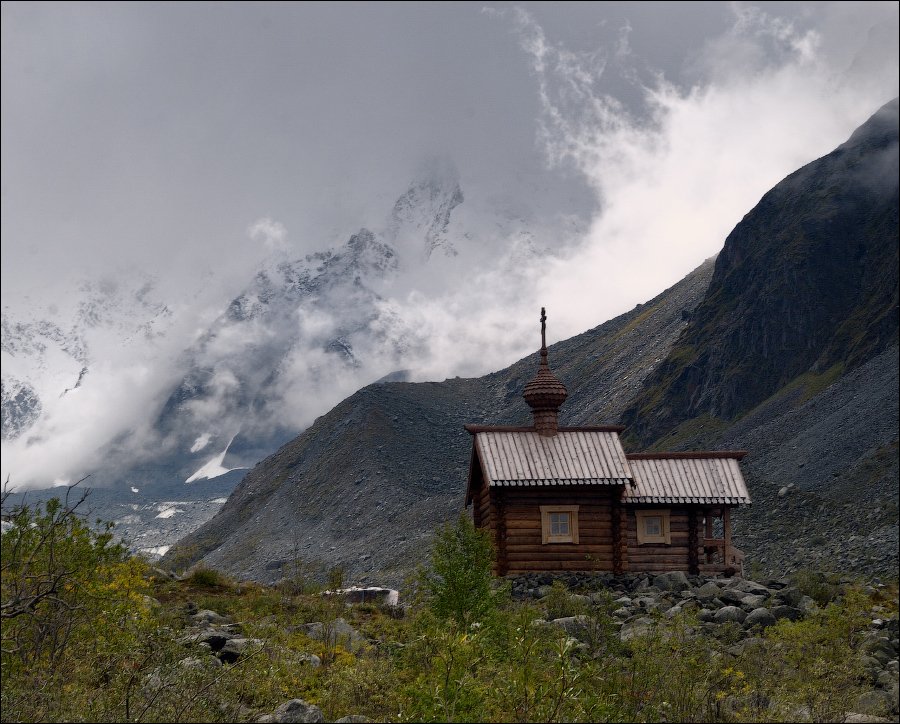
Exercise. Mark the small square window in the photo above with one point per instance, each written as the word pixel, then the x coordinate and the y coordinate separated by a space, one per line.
pixel 559 523
pixel 653 527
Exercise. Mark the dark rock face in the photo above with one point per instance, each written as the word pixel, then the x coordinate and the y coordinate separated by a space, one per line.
pixel 20 407
pixel 805 284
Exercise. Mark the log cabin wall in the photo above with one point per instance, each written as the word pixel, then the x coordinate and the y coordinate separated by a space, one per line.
pixel 661 557
pixel 515 515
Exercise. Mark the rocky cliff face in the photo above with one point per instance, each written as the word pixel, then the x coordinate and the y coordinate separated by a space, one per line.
pixel 805 284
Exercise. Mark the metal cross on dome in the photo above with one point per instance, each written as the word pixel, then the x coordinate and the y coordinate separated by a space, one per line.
pixel 543 328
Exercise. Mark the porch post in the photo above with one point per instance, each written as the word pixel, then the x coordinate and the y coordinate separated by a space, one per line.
pixel 693 543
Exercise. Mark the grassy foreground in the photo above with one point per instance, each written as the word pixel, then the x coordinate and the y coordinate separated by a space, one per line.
pixel 90 633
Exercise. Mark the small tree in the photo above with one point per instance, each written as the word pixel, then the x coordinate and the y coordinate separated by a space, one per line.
pixel 458 583
pixel 55 570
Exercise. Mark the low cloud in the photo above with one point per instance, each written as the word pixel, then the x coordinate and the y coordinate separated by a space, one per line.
pixel 659 178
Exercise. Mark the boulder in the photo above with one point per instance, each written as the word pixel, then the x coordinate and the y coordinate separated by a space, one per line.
pixel 646 602
pixel 310 660
pixel 752 601
pixel 207 616
pixel 856 718
pixel 213 638
pixel 603 598
pixel 881 649
pixel 732 597
pixel 747 586
pixel 207 662
pixel 871 665
pixel 761 617
pixel 788 612
pixel 707 592
pixel 730 613
pixel 297 710
pixel 706 615
pixel 638 627
pixel 790 596
pixel 672 581
pixel 875 702
pixel 893 627
pixel 338 632
pixel 237 647
pixel 642 585
pixel 352 719
pixel 370 594
pixel 574 626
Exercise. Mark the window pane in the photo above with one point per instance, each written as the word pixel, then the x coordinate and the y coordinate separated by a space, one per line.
pixel 559 523
pixel 653 526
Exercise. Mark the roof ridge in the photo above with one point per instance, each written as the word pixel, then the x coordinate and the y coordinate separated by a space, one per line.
pixel 473 428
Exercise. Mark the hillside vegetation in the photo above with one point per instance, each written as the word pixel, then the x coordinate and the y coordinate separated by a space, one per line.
pixel 91 634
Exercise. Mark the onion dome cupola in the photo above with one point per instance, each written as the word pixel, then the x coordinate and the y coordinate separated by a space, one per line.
pixel 545 393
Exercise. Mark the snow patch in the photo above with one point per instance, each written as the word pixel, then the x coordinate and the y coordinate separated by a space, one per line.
pixel 201 442
pixel 219 500
pixel 135 490
pixel 214 467
pixel 168 512
pixel 156 551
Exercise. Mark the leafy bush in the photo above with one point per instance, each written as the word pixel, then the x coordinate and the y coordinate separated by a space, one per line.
pixel 820 587
pixel 74 605
pixel 559 603
pixel 204 577
pixel 458 584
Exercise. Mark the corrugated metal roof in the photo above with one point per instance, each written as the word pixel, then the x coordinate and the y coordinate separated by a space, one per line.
pixel 568 458
pixel 694 479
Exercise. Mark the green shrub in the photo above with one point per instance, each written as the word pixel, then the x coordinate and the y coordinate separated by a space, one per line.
pixel 458 584
pixel 204 577
pixel 559 603
pixel 820 587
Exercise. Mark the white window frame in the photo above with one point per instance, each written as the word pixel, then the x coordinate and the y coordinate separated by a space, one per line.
pixel 546 534
pixel 664 536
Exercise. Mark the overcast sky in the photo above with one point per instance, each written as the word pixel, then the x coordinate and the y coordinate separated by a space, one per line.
pixel 634 136
pixel 155 134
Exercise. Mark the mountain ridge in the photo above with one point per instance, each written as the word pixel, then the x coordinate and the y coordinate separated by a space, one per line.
pixel 326 497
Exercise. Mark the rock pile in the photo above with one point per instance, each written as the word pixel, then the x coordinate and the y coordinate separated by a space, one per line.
pixel 216 640
pixel 637 601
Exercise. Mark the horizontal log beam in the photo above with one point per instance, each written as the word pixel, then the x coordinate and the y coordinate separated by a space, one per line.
pixel 562 549
pixel 659 559
pixel 519 538
pixel 575 560
pixel 553 566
